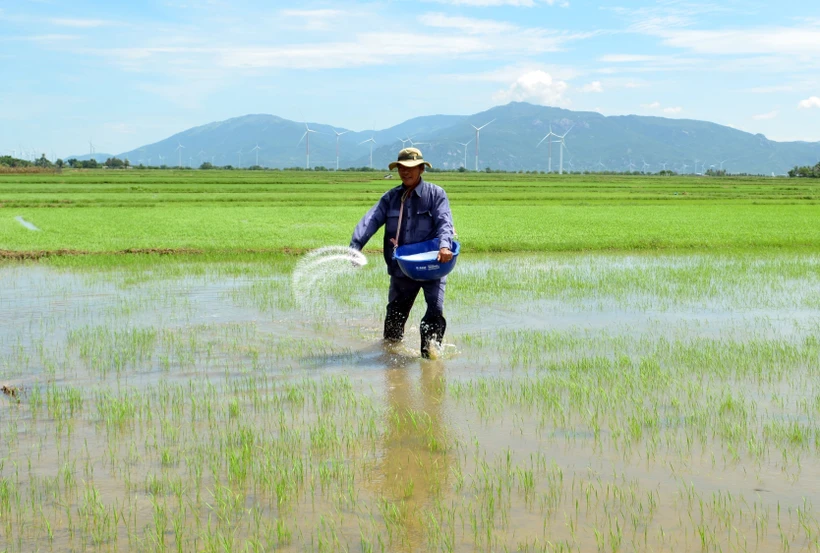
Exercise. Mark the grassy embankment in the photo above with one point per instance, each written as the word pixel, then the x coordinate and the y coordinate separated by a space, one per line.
pixel 235 211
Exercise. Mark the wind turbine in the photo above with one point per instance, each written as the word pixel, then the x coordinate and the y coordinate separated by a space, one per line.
pixel 549 134
pixel 465 144
pixel 306 137
pixel 179 151
pixel 600 163
pixel 404 141
pixel 645 165
pixel 256 149
pixel 477 131
pixel 562 146
pixel 414 144
pixel 201 154
pixel 631 166
pixel 160 158
pixel 372 141
pixel 240 157
pixel 338 134
pixel 721 164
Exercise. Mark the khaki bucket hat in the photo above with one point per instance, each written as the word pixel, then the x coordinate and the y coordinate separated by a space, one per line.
pixel 410 157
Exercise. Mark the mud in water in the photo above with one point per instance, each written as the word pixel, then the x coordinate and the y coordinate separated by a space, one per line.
pixel 580 403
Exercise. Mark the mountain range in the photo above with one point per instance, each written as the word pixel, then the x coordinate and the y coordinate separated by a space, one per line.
pixel 593 142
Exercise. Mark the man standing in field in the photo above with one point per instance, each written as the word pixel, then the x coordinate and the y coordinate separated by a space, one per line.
pixel 413 212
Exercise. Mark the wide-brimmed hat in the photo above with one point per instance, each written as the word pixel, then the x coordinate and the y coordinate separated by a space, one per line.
pixel 410 157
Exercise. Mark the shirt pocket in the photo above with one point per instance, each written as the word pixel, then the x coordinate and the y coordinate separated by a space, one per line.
pixel 392 223
pixel 424 223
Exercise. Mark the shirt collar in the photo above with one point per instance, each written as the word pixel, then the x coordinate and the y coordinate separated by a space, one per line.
pixel 417 189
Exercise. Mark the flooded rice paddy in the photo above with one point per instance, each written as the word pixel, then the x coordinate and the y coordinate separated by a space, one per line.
pixel 580 403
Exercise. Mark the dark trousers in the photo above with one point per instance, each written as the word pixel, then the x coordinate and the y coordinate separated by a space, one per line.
pixel 402 295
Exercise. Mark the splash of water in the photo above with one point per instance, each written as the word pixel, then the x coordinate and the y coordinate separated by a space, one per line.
pixel 321 267
pixel 25 223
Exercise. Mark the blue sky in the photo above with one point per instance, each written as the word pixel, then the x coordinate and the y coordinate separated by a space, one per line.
pixel 123 75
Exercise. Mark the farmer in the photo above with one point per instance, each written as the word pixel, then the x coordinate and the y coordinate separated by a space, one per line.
pixel 426 215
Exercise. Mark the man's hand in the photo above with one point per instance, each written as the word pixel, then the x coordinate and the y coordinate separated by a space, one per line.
pixel 444 255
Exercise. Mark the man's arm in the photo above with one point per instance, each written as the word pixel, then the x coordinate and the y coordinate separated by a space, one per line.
pixel 370 223
pixel 443 218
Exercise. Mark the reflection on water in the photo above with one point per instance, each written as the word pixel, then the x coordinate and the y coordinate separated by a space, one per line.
pixel 415 460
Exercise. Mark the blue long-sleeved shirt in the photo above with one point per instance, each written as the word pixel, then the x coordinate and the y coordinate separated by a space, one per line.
pixel 426 216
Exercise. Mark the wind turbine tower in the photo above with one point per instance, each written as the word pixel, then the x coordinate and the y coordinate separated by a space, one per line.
pixel 338 134
pixel 562 146
pixel 256 149
pixel 306 138
pixel 179 151
pixel 549 157
pixel 477 132
pixel 372 141
pixel 240 158
pixel 465 144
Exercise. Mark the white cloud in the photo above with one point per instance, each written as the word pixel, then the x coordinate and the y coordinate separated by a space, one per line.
pixel 535 86
pixel 668 14
pixel 594 86
pixel 768 41
pixel 764 116
pixel 510 73
pixel 812 102
pixel 466 24
pixel 363 49
pixel 657 107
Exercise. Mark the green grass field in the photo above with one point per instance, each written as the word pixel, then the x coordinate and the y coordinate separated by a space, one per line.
pixel 235 211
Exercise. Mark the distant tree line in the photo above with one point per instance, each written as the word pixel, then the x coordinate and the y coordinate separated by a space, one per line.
pixel 9 162
pixel 41 164
pixel 806 172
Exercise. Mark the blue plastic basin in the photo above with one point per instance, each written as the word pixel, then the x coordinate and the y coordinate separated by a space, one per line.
pixel 418 261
